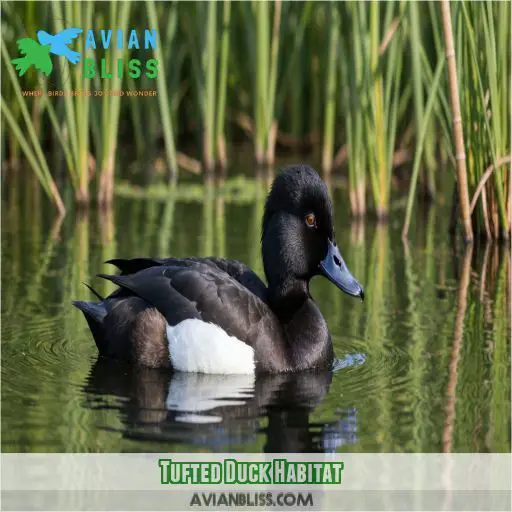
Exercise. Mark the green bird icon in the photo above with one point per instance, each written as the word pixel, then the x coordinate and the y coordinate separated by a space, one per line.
pixel 35 54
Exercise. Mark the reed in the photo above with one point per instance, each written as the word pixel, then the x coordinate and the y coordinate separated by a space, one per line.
pixel 111 110
pixel 271 126
pixel 210 88
pixel 82 109
pixel 485 109
pixel 163 99
pixel 31 146
pixel 419 149
pixel 377 122
pixel 262 57
pixel 378 50
pixel 354 101
pixel 209 70
pixel 460 155
pixel 76 118
pixel 292 79
pixel 415 36
pixel 223 78
pixel 298 21
pixel 330 100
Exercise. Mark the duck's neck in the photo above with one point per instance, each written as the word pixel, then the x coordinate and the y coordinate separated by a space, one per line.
pixel 305 329
pixel 287 296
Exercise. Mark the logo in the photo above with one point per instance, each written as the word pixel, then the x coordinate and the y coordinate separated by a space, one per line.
pixel 37 53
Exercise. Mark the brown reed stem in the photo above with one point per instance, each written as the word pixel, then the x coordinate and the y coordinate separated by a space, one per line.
pixel 460 154
pixel 487 174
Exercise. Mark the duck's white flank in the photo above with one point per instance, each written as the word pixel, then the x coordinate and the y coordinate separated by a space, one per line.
pixel 197 346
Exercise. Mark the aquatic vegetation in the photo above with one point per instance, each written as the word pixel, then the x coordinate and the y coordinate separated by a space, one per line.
pixel 373 78
pixel 163 98
pixel 483 35
pixel 358 86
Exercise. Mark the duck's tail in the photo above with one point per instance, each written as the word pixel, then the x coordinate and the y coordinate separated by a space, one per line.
pixel 95 314
pixel 94 292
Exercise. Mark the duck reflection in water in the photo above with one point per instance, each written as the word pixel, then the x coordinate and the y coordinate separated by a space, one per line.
pixel 220 412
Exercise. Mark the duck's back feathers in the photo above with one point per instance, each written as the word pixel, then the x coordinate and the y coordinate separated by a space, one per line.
pixel 133 265
pixel 196 290
pixel 239 271
pixel 154 286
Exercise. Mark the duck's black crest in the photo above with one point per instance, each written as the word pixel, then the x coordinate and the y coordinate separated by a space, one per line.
pixel 298 189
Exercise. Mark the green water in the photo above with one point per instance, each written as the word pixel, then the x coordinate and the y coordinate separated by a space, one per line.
pixel 423 363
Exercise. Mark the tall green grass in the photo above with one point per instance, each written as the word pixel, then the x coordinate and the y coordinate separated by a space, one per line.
pixel 483 34
pixel 349 83
pixel 371 89
pixel 330 100
pixel 266 17
pixel 355 106
pixel 31 145
pixel 163 95
pixel 223 79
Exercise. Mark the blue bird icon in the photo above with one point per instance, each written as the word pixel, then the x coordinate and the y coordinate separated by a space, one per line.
pixel 58 43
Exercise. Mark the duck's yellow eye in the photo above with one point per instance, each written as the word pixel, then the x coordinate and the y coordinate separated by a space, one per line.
pixel 311 220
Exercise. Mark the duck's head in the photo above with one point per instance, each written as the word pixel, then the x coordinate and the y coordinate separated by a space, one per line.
pixel 298 240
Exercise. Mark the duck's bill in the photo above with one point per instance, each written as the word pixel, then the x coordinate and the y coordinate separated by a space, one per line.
pixel 333 267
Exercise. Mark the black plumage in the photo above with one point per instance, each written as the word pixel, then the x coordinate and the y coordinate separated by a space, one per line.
pixel 280 322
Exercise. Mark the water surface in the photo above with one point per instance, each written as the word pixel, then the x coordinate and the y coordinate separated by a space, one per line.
pixel 423 364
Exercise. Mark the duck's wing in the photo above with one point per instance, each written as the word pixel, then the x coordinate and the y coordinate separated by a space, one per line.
pixel 202 291
pixel 239 271
pixel 243 274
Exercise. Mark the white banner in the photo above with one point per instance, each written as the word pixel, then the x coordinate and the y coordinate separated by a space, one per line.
pixel 134 482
